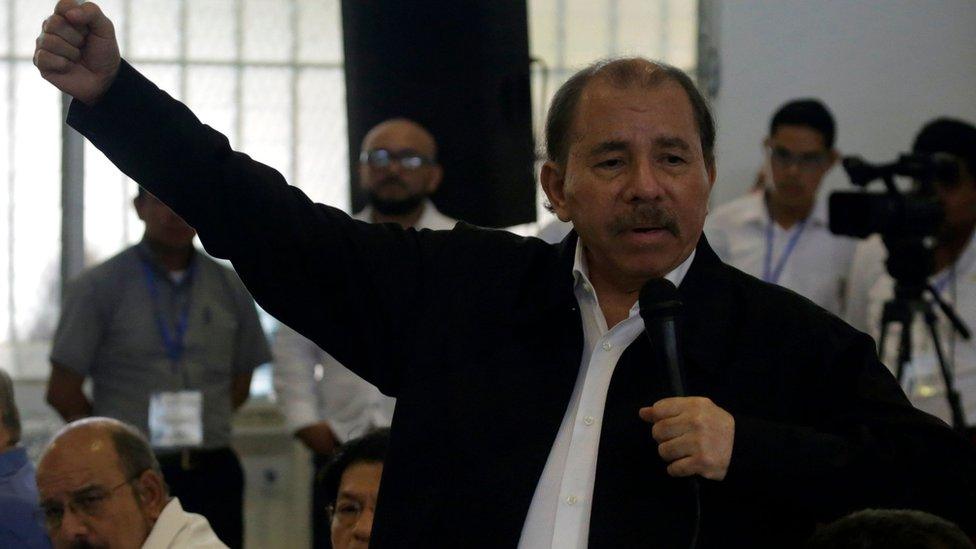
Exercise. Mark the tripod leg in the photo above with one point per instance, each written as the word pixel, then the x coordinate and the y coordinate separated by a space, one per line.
pixel 952 396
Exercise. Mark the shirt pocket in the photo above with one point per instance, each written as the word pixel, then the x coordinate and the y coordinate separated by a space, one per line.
pixel 212 337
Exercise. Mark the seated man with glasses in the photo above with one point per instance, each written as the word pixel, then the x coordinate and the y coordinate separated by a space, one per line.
pixel 781 233
pixel 352 483
pixel 101 486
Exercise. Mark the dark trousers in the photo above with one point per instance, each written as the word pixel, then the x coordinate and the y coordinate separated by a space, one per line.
pixel 321 528
pixel 210 483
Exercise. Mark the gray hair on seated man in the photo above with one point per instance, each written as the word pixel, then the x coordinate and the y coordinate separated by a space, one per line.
pixel 9 417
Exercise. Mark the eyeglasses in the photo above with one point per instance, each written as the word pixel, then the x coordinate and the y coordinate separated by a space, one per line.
pixel 807 162
pixel 87 503
pixel 347 512
pixel 382 158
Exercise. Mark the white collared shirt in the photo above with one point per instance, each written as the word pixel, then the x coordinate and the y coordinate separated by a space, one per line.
pixel 177 529
pixel 871 287
pixel 559 515
pixel 816 267
pixel 313 386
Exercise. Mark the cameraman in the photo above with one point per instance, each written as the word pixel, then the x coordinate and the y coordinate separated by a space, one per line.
pixel 953 276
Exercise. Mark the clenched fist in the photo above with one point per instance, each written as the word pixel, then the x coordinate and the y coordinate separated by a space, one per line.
pixel 694 436
pixel 77 50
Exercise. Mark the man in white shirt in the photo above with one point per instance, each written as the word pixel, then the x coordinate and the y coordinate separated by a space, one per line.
pixel 953 275
pixel 781 234
pixel 101 486
pixel 324 403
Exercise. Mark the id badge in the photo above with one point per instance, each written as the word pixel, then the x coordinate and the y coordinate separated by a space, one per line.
pixel 176 419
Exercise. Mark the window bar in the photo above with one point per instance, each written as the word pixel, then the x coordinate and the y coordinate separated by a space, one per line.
pixel 239 76
pixel 11 150
pixel 293 153
pixel 613 28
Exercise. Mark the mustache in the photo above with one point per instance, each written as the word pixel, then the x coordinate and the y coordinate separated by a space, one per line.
pixel 391 181
pixel 646 215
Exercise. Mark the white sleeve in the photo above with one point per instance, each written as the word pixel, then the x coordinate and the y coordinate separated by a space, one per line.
pixel 295 358
pixel 866 268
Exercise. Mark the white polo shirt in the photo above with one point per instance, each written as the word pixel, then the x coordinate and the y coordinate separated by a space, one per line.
pixel 806 258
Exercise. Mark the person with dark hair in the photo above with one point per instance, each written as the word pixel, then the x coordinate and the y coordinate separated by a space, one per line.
pixel 531 408
pixel 952 274
pixel 169 339
pixel 351 484
pixel 19 524
pixel 101 486
pixel 781 234
pixel 890 529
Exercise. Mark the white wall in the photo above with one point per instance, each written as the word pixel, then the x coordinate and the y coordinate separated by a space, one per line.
pixel 884 67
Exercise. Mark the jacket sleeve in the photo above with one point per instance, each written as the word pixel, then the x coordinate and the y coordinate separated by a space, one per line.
pixel 342 283
pixel 869 448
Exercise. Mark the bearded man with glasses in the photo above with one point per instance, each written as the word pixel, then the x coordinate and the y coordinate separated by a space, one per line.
pixel 780 233
pixel 101 487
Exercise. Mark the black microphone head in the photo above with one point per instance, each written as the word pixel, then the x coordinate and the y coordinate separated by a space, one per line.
pixel 659 299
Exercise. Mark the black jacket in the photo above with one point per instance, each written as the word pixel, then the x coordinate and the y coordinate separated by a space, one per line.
pixel 478 335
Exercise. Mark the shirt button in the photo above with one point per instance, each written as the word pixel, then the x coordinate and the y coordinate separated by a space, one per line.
pixel 607 346
pixel 588 420
pixel 571 500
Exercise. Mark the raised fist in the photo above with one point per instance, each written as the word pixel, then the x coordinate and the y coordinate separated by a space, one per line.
pixel 77 50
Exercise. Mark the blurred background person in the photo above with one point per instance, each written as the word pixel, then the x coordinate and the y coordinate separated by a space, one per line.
pixel 952 274
pixel 20 524
pixel 169 339
pixel 323 402
pixel 781 234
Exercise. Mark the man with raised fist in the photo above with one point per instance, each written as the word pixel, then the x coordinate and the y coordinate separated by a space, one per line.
pixel 526 390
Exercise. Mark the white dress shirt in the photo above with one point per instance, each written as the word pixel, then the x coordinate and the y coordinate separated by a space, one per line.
pixel 559 515
pixel 817 263
pixel 312 386
pixel 871 287
pixel 177 529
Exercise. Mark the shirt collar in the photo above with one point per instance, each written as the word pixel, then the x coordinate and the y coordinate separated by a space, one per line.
pixel 758 213
pixel 12 460
pixel 146 253
pixel 581 271
pixel 426 217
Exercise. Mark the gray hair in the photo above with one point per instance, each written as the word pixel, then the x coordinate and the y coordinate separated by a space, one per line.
pixel 9 416
pixel 623 73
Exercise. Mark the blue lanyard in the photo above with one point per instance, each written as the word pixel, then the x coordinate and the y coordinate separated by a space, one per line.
pixel 940 283
pixel 772 275
pixel 172 341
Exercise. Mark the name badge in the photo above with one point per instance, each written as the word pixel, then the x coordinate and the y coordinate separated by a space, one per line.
pixel 176 419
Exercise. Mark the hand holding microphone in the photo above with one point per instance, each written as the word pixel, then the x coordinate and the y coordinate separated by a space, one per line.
pixel 694 434
pixel 77 51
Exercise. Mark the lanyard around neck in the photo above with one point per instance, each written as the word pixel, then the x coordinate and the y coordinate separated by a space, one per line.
pixel 770 274
pixel 173 341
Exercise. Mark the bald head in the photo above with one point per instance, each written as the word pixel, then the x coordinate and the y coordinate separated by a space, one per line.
pixel 401 133
pixel 398 169
pixel 100 485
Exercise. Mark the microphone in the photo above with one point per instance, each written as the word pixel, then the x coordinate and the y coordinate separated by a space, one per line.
pixel 659 307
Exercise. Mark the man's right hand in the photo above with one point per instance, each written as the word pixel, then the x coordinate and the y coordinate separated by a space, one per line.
pixel 77 51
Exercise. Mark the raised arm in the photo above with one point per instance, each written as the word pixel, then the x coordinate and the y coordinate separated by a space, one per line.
pixel 342 283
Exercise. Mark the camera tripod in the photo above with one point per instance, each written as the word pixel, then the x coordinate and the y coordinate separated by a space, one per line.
pixel 907 302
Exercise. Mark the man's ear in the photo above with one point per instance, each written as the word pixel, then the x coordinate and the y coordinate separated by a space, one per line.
pixel 553 180
pixel 834 157
pixel 139 204
pixel 436 176
pixel 151 491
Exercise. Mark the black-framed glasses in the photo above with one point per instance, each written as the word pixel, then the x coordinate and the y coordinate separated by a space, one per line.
pixel 383 158
pixel 808 162
pixel 88 503
pixel 348 511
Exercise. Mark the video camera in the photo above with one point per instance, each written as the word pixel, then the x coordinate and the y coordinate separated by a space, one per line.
pixel 892 214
